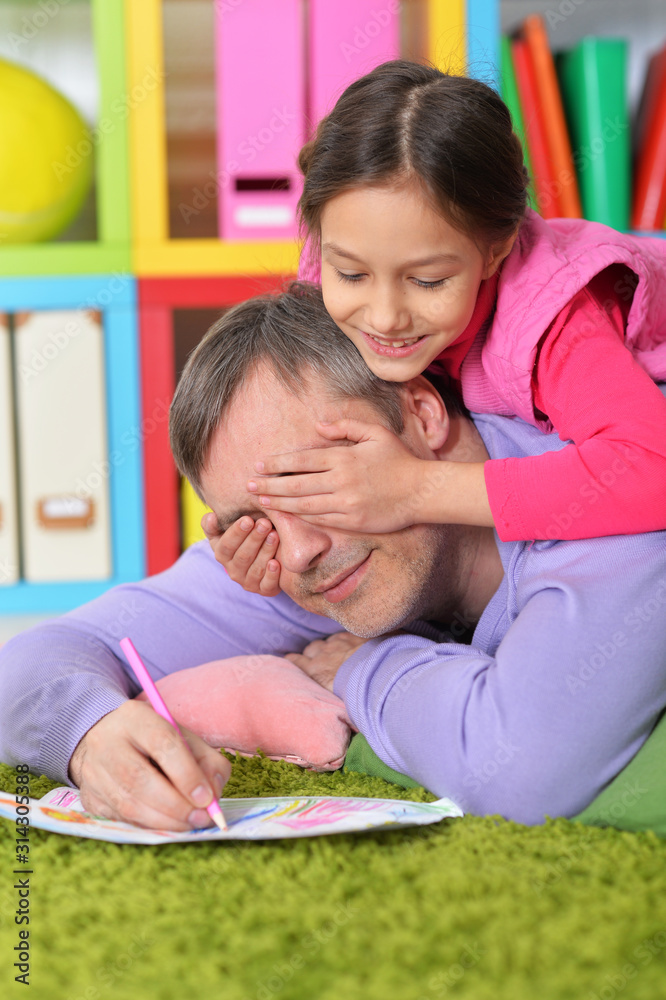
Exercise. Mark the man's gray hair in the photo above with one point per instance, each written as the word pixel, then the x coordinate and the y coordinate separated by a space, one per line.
pixel 293 335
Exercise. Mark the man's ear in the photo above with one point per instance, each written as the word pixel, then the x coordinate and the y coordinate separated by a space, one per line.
pixel 428 412
pixel 498 253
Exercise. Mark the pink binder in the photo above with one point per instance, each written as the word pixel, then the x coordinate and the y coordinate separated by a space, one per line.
pixel 260 83
pixel 348 38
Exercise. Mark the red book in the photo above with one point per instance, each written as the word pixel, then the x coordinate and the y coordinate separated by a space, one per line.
pixel 649 200
pixel 550 101
pixel 545 185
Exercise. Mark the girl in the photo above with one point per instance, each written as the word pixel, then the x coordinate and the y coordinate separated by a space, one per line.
pixel 414 202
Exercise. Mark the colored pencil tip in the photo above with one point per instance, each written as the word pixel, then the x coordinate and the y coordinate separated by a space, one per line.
pixel 218 819
pixel 214 810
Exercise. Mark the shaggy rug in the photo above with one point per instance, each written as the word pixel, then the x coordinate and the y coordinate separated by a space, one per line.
pixel 471 909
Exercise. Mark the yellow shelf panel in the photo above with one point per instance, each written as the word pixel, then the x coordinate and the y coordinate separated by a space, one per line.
pixel 192 509
pixel 446 35
pixel 201 257
pixel 147 125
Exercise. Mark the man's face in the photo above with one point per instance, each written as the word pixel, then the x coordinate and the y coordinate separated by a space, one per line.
pixel 370 584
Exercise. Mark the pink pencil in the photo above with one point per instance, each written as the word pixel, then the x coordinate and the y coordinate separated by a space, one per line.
pixel 156 700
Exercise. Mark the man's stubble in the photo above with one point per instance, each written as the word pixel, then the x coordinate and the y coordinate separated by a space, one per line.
pixel 425 584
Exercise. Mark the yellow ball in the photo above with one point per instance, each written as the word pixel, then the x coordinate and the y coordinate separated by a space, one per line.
pixel 43 180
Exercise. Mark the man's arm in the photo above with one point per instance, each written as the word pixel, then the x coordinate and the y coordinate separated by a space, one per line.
pixel 563 683
pixel 59 680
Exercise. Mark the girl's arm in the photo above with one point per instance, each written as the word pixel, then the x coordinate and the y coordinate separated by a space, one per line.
pixel 612 479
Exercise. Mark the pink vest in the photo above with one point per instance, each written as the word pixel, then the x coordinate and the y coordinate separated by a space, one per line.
pixel 549 263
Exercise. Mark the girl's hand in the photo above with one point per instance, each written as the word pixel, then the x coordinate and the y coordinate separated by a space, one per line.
pixel 366 487
pixel 246 551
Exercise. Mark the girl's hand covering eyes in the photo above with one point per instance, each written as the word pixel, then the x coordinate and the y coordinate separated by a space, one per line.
pixel 367 487
pixel 247 550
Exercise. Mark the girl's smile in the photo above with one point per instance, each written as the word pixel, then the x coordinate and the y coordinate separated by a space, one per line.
pixel 397 278
pixel 394 348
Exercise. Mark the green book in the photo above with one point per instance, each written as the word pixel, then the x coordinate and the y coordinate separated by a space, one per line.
pixel 593 80
pixel 510 96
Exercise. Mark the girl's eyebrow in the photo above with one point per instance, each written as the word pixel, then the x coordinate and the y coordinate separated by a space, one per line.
pixel 339 251
pixel 436 258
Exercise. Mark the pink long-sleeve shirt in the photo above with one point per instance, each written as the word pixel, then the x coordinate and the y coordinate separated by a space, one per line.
pixel 612 479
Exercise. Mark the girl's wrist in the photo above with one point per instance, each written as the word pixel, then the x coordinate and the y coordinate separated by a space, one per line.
pixel 429 490
pixel 450 493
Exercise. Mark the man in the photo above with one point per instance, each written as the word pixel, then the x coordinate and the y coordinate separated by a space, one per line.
pixel 560 686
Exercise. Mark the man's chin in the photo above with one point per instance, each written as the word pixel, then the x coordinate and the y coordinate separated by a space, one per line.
pixel 403 581
pixel 359 619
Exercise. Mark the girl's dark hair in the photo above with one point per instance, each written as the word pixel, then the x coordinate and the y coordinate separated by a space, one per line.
pixel 404 120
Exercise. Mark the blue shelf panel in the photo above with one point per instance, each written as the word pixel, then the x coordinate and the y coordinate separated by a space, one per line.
pixel 123 393
pixel 103 291
pixel 32 598
pixel 483 40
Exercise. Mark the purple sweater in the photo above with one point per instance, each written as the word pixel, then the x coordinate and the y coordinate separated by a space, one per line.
pixel 563 681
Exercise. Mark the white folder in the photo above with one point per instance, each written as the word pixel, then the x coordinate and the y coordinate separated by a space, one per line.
pixel 9 554
pixel 64 465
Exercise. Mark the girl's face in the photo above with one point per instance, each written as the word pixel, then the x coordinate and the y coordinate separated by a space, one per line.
pixel 397 278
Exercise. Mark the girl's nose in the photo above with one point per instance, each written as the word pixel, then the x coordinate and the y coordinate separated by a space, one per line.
pixel 386 315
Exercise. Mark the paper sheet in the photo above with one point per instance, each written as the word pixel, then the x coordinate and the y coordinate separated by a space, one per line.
pixel 270 818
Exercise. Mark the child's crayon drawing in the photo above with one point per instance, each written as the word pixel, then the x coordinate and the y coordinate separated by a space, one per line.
pixel 270 818
pixel 71 816
pixel 311 813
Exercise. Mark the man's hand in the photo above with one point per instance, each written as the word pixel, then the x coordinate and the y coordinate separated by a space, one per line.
pixel 246 551
pixel 322 658
pixel 133 766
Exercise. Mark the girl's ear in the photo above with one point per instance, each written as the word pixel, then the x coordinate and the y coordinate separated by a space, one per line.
pixel 498 254
pixel 429 415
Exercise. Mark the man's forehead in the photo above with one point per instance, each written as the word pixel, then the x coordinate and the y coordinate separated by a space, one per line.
pixel 265 405
pixel 269 414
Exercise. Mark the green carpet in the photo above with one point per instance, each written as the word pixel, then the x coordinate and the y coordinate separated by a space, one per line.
pixel 474 908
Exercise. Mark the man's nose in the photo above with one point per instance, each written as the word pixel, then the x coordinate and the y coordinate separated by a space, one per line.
pixel 301 544
pixel 386 312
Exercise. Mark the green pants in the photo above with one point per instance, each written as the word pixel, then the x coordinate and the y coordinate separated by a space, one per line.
pixel 634 800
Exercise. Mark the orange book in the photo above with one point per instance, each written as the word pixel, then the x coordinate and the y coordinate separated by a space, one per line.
pixel 545 187
pixel 550 100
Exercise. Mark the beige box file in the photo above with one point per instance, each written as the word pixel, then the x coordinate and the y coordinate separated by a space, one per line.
pixel 63 462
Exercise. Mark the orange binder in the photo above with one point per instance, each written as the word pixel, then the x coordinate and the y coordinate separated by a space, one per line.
pixel 649 201
pixel 550 100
